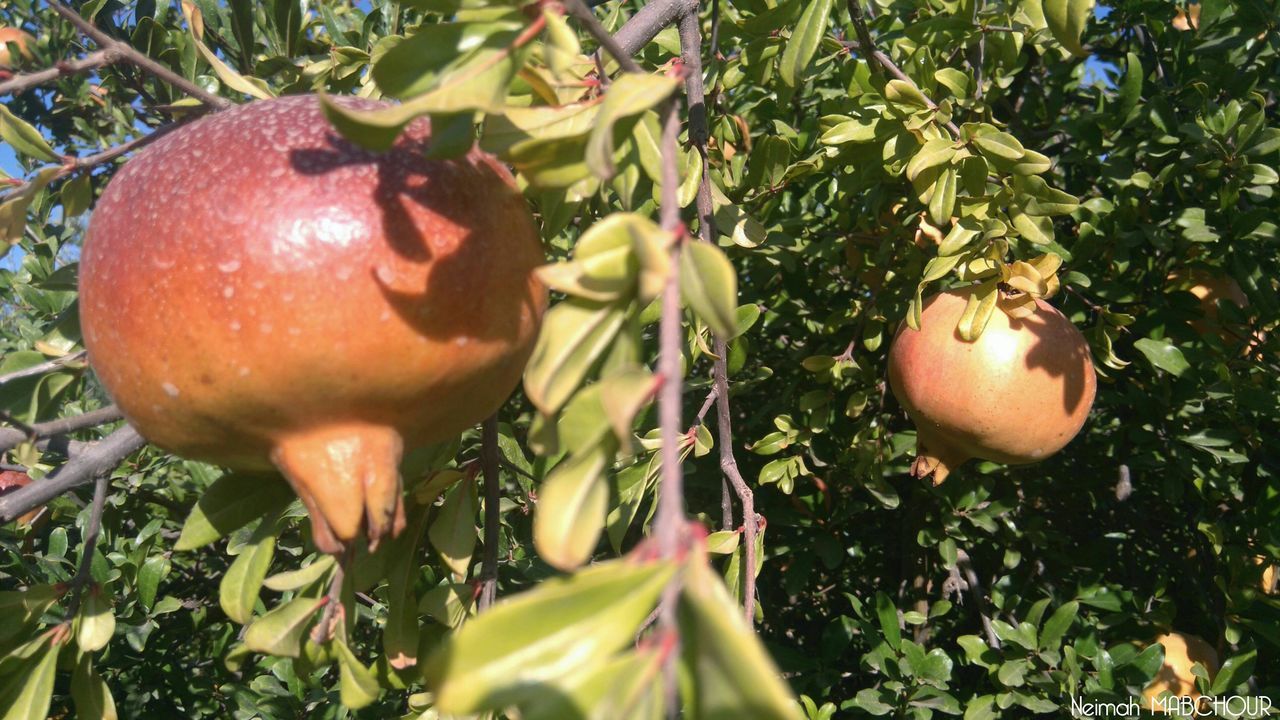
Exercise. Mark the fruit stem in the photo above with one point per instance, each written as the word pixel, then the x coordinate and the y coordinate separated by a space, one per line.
pixel 935 460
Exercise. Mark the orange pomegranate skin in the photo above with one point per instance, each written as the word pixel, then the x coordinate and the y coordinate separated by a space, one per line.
pixel 13 480
pixel 1016 395
pixel 256 291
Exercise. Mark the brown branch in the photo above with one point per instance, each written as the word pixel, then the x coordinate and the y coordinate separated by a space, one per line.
pixel 691 46
pixel 96 459
pixel 867 47
pixel 979 601
pixel 77 583
pixel 492 516
pixel 26 81
pixel 645 25
pixel 602 36
pixel 12 437
pixel 135 57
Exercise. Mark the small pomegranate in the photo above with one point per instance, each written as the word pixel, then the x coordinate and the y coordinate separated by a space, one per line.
pixel 12 480
pixel 258 292
pixel 1016 395
pixel 1181 653
pixel 1209 288
pixel 18 38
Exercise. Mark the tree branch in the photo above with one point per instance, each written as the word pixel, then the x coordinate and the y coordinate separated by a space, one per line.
pixel 645 25
pixel 77 583
pixel 96 459
pixel 975 592
pixel 26 81
pixel 602 36
pixel 11 437
pixel 691 54
pixel 135 57
pixel 492 516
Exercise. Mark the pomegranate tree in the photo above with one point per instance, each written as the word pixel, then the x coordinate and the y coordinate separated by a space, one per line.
pixel 1017 394
pixel 258 292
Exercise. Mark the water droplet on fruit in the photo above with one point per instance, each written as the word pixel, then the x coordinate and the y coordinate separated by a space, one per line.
pixel 235 326
pixel 170 389
pixel 228 291
pixel 229 266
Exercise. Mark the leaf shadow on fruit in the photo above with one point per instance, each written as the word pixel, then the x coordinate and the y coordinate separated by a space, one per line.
pixel 1057 352
pixel 439 215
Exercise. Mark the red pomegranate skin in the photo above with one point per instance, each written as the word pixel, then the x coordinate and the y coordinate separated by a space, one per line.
pixel 1016 395
pixel 257 291
pixel 12 481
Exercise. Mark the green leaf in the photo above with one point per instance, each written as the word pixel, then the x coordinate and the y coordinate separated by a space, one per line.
pixel 575 333
pixel 732 675
pixel 887 614
pixel 572 503
pixel 858 130
pixel 281 631
pixel 629 95
pixel 804 42
pixel 26 693
pixel 1130 90
pixel 1234 672
pixel 709 285
pixel 905 93
pixel 231 502
pixel 90 693
pixel 1037 230
pixel 448 604
pixel 21 609
pixel 251 86
pixel 982 708
pixel 942 201
pixel 1066 20
pixel 358 686
pixel 551 632
pixel 1164 355
pixel 150 574
pixel 97 621
pixel 615 689
pixel 479 83
pixel 999 146
pixel 624 394
pixel 453 532
pixel 517 126
pixel 933 153
pixel 23 138
pixel 302 577
pixel 13 211
pixel 414 65
pixel 402 632
pixel 238 591
pixel 1057 625
pixel 77 195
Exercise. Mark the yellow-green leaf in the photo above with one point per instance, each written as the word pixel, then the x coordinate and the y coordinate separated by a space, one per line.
pixel 357 685
pixel 575 333
pixel 238 591
pixel 26 693
pixel 572 503
pixel 627 96
pixel 97 621
pixel 302 577
pixel 545 634
pixel 804 42
pixel 709 285
pixel 282 630
pixel 90 693
pixel 23 138
pixel 624 394
pixel 453 532
pixel 231 502
pixel 1066 20
pixel 977 311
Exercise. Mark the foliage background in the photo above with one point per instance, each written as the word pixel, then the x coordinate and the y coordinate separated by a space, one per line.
pixel 1162 514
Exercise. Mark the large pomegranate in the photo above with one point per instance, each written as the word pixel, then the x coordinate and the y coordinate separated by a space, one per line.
pixel 1181 653
pixel 1017 394
pixel 256 291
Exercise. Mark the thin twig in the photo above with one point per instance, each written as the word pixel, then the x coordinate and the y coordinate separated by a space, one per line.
pixel 602 36
pixel 91 530
pixel 492 516
pixel 133 56
pixel 867 47
pixel 979 600
pixel 11 437
pixel 42 368
pixel 26 81
pixel 96 459
pixel 670 520
pixel 691 44
pixel 323 631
